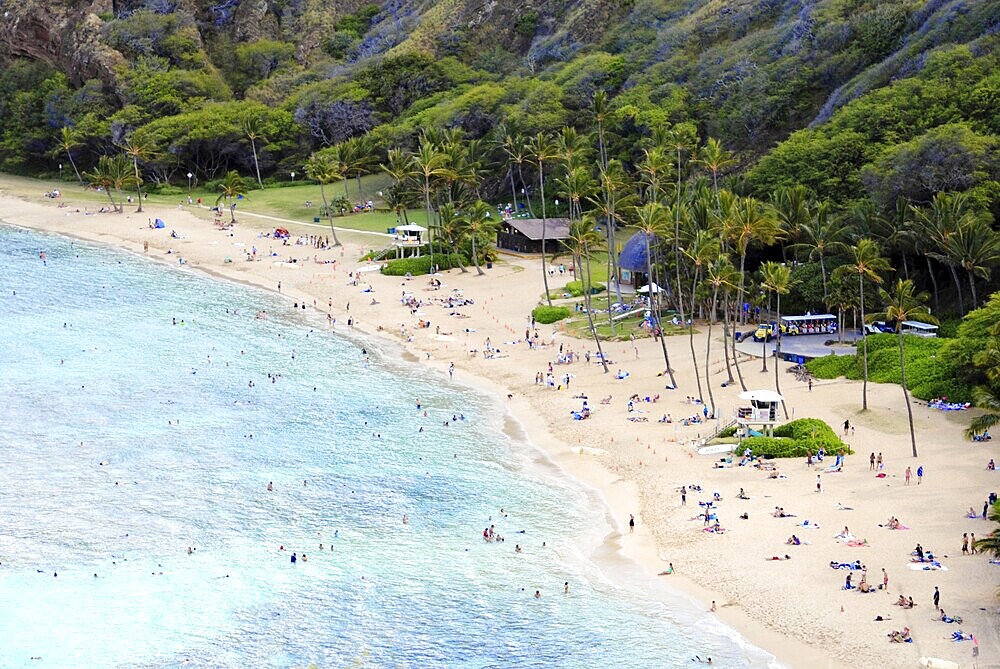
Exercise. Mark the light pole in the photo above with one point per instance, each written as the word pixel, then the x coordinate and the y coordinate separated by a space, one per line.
pixel 189 182
pixel 293 176
pixel 60 171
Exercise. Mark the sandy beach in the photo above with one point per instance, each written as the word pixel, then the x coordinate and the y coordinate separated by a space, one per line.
pixel 796 609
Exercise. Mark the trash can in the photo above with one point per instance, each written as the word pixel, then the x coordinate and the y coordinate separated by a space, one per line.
pixel 489 265
pixel 315 219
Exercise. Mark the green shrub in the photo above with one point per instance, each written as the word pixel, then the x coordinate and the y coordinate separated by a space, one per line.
pixel 575 289
pixel 421 265
pixel 164 189
pixel 547 315
pixel 931 371
pixel 831 366
pixel 728 432
pixel 796 439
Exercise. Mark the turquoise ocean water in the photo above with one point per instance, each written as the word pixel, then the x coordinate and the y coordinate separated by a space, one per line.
pixel 126 439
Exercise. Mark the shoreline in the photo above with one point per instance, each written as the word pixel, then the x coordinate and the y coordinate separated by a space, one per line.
pixel 623 478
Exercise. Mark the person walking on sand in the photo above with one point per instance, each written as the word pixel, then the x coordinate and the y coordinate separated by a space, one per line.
pixel 879 464
pixel 631 523
pixel 684 497
pixel 819 484
pixel 937 598
pixel 871 462
pixel 885 580
pixel 847 426
pixel 965 543
pixel 907 475
pixel 972 544
pixel 920 474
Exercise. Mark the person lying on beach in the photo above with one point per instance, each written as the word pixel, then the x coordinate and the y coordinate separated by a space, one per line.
pixel 900 636
pixel 945 618
pixel 776 557
pixel 779 512
pixel 960 636
pixel 793 541
pixel 707 660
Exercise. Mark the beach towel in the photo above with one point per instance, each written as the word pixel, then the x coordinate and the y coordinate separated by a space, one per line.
pixel 933 566
pixel 806 525
pixel 856 543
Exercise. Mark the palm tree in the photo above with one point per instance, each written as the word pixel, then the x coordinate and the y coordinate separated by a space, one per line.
pixel 822 235
pixel 397 165
pixel 113 173
pixel 750 222
pixel 516 148
pixel 793 209
pixel 252 126
pixel 680 139
pixel 138 147
pixel 944 217
pixel 991 542
pixel 100 179
pixel 719 275
pixel 582 240
pixel 477 224
pixel 904 303
pixel 542 149
pixel 66 141
pixel 986 396
pixel 867 264
pixel 715 158
pixel 233 187
pixel 429 163
pixel 973 246
pixel 652 224
pixel 358 156
pixel 777 280
pixel 451 228
pixel 325 169
pixel 703 247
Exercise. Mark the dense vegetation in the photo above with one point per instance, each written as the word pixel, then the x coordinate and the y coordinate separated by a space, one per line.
pixel 774 153
pixel 797 439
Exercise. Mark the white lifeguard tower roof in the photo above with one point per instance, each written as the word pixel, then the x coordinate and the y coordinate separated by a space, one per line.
pixel 761 396
pixel 411 227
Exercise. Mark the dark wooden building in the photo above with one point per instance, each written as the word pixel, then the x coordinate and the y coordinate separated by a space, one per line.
pixel 524 235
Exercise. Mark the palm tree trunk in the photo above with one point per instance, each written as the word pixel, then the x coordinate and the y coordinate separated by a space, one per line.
pixel 326 207
pixel 545 272
pixel 694 356
pixel 513 188
pixel 232 211
pixel 822 269
pixel 256 165
pixel 475 256
pixel 590 316
pixel 708 350
pixel 864 345
pixel 763 357
pixel 73 163
pixel 906 394
pixel 114 205
pixel 972 287
pixel 777 348
pixel 725 336
pixel 524 189
pixel 934 283
pixel 655 314
pixel 958 289
pixel 138 183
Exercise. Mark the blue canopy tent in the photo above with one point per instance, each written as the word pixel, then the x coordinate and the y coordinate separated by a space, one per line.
pixel 632 265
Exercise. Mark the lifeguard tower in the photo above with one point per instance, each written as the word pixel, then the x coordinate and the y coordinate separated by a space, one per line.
pixel 759 411
pixel 409 236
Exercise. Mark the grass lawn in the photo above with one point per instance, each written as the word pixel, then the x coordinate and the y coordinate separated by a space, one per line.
pixel 283 202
